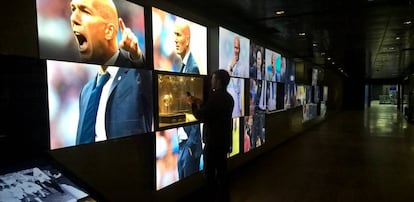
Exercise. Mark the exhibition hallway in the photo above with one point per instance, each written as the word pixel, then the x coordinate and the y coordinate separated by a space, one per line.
pixel 353 156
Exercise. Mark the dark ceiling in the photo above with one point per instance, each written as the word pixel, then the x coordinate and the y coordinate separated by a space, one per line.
pixel 370 39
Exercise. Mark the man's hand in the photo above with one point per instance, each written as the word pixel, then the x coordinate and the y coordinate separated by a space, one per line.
pixel 129 41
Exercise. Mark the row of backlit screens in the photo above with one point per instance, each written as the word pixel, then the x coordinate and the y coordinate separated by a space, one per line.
pixel 72 31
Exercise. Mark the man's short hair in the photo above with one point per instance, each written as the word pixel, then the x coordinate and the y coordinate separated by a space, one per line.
pixel 223 76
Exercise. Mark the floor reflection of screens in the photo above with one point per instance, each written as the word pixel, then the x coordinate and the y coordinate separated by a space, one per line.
pixel 39 184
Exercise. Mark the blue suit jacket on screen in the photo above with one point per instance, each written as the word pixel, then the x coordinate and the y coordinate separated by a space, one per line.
pixel 194 139
pixel 129 106
pixel 191 66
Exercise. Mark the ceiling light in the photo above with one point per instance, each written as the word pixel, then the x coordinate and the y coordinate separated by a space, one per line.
pixel 397 38
pixel 333 63
pixel 408 22
pixel 342 70
pixel 322 53
pixel 315 44
pixel 280 12
pixel 328 58
pixel 302 34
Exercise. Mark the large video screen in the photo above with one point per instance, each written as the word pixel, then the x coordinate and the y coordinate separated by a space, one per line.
pixel 82 109
pixel 301 95
pixel 179 44
pixel 94 32
pixel 174 92
pixel 254 124
pixel 254 131
pixel 314 76
pixel 290 96
pixel 309 96
pixel 234 53
pixel 273 66
pixel 178 154
pixel 235 137
pixel 236 90
pixel 271 95
pixel 290 72
pixel 257 96
pixel 325 93
pixel 317 94
pixel 39 184
pixel 257 62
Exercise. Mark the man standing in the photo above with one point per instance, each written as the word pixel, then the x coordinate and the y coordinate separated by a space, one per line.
pixel 118 101
pixel 182 45
pixel 216 114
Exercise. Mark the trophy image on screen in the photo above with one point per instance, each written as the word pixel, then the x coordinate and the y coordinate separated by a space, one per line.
pixel 174 93
pixel 167 100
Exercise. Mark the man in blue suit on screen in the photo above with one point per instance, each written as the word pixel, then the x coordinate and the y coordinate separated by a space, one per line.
pixel 182 44
pixel 118 101
pixel 189 137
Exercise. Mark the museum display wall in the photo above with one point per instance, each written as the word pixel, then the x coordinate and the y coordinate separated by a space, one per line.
pixel 137 146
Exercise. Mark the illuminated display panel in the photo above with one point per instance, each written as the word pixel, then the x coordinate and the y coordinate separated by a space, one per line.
pixel 233 53
pixel 257 62
pixel 179 44
pixel 68 30
pixel 271 96
pixel 236 90
pixel 173 94
pixel 173 159
pixel 274 66
pixel 126 111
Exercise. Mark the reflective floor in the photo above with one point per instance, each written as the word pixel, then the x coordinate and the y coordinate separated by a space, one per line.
pixel 355 156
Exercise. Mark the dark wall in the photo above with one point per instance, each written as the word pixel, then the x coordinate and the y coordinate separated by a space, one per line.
pixel 376 91
pixel 23 100
pixel 19 35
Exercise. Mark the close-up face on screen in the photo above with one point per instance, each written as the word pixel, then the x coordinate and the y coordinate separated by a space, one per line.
pixel 273 64
pixel 76 116
pixel 179 44
pixel 92 31
pixel 233 53
pixel 257 62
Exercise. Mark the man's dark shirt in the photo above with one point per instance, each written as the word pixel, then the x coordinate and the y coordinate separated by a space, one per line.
pixel 216 114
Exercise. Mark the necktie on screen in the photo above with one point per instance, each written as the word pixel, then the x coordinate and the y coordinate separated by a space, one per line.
pixel 182 68
pixel 88 130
